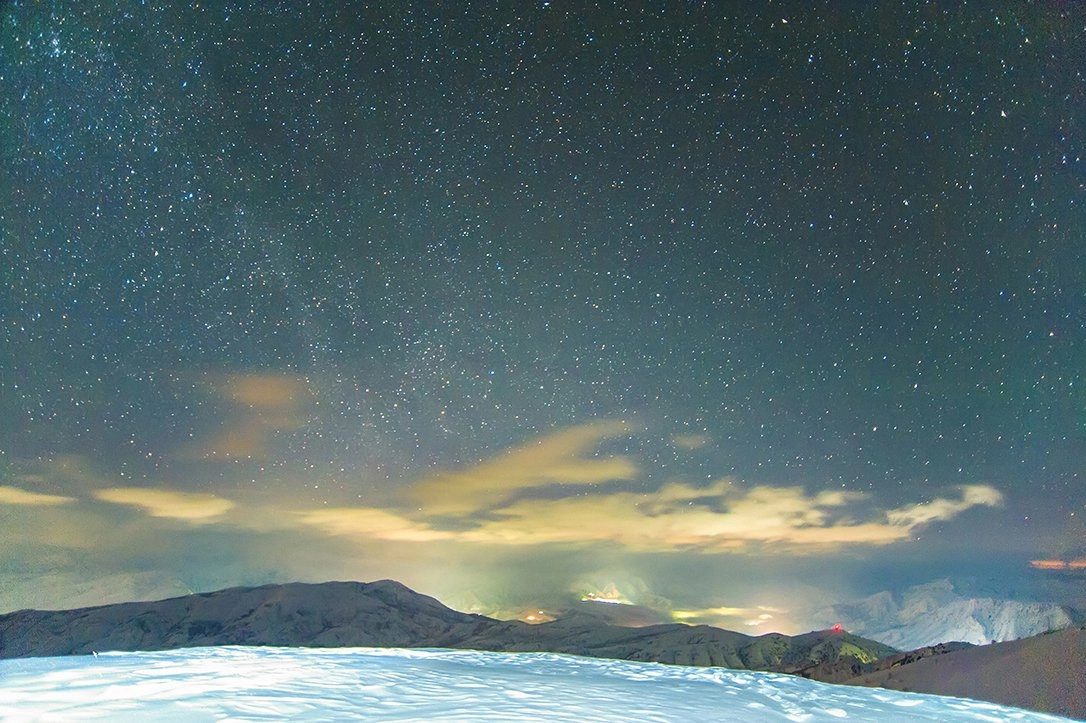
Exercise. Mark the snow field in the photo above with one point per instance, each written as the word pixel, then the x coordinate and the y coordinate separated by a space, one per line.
pixel 376 684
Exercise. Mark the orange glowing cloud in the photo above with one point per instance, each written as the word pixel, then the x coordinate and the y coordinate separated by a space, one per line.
pixel 262 405
pixel 270 392
pixel 1048 564
pixel 1076 564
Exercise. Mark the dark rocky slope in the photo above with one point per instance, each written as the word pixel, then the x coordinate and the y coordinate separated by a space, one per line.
pixel 1046 672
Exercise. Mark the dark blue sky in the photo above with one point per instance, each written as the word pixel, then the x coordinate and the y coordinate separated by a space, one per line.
pixel 507 303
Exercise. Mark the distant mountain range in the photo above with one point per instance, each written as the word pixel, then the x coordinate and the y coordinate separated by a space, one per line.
pixel 388 614
pixel 1046 670
pixel 933 613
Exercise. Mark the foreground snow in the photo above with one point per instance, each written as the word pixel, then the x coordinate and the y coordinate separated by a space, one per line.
pixel 241 683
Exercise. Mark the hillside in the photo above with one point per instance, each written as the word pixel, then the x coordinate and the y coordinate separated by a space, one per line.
pixel 387 614
pixel 1046 673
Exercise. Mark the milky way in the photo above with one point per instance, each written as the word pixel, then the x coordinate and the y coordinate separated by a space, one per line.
pixel 697 306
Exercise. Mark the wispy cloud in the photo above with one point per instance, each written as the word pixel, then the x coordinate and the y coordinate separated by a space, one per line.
pixel 1077 564
pixel 690 441
pixel 371 523
pixel 539 513
pixel 718 518
pixel 561 489
pixel 260 406
pixel 18 496
pixel 942 508
pixel 552 460
pixel 488 506
pixel 197 508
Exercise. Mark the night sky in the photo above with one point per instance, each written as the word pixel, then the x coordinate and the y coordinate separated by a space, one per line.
pixel 713 309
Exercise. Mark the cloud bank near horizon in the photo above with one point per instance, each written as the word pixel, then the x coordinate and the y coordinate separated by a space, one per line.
pixel 559 489
pixel 550 508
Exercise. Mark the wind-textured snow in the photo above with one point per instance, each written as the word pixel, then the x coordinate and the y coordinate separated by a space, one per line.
pixel 385 684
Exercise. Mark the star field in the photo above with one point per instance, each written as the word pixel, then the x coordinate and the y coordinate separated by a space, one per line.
pixel 314 256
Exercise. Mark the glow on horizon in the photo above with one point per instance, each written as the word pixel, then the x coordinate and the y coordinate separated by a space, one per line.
pixel 1079 563
pixel 600 598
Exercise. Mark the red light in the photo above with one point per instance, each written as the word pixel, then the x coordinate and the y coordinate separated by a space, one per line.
pixel 837 628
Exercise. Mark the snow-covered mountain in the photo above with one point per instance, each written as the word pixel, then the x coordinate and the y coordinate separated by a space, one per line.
pixel 198 684
pixel 386 613
pixel 934 613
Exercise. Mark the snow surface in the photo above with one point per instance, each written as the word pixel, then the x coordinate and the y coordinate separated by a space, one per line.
pixel 382 684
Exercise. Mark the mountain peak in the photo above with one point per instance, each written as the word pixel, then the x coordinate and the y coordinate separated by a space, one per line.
pixel 934 612
pixel 386 613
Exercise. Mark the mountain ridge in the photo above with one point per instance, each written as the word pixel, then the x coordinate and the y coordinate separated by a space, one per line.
pixel 934 612
pixel 386 613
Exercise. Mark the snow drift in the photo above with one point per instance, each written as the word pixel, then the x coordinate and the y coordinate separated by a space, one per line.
pixel 378 684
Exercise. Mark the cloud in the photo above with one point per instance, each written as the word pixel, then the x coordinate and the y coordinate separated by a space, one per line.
pixel 548 492
pixel 17 496
pixel 261 405
pixel 730 617
pixel 522 497
pixel 941 509
pixel 555 459
pixel 1063 565
pixel 371 523
pixel 542 511
pixel 197 508
pixel 690 441
pixel 721 517
pixel 516 529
